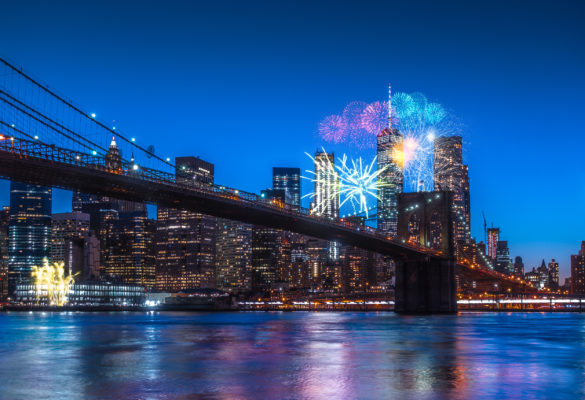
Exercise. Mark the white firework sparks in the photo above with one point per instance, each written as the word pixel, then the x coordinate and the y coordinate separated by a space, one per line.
pixel 351 182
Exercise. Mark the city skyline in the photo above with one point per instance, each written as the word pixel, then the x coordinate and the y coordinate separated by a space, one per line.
pixel 499 145
pixel 295 199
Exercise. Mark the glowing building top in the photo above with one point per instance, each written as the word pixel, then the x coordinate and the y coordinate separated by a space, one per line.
pixel 390 158
pixel 113 156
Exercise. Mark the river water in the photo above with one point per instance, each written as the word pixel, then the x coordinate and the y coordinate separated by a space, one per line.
pixel 299 355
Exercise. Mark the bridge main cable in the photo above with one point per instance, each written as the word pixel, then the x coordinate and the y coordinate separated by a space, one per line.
pixel 91 146
pixel 69 104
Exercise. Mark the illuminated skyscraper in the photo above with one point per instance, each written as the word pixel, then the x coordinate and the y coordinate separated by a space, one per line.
pixel 300 274
pixel 186 239
pixel 358 271
pixel 317 254
pixel 503 261
pixel 291 249
pixel 233 256
pixel 389 156
pixel 270 248
pixel 265 269
pixel 452 175
pixel 326 200
pixel 553 273
pixel 578 271
pixel 128 248
pixel 493 235
pixel 289 180
pixel 113 158
pixel 29 230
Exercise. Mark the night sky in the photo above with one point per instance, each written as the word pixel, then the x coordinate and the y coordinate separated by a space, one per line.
pixel 244 85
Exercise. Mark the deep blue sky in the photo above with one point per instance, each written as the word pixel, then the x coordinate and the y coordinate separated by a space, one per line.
pixel 244 85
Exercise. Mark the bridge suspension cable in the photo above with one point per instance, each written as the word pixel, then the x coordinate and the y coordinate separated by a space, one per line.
pixel 44 115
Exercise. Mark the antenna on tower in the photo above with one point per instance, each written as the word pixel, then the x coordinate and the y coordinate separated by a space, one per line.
pixel 389 106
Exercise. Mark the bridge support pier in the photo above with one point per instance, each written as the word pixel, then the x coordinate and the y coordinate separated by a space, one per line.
pixel 425 286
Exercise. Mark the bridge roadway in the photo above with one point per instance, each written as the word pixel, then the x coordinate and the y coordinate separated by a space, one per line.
pixel 43 164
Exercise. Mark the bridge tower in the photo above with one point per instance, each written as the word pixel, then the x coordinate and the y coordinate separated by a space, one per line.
pixel 426 283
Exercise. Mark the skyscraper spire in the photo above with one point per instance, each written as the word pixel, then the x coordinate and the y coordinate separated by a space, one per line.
pixel 389 106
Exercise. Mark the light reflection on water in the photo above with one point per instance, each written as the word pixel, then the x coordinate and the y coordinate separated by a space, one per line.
pixel 290 356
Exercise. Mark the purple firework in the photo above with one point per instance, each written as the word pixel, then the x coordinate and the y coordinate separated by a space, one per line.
pixel 352 113
pixel 333 129
pixel 373 119
pixel 353 118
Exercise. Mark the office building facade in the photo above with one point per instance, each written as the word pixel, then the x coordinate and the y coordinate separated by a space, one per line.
pixel 29 230
pixel 450 174
pixel 578 271
pixel 233 255
pixel 493 237
pixel 288 180
pixel 390 161
pixel 185 240
pixel 503 262
pixel 128 248
pixel 553 273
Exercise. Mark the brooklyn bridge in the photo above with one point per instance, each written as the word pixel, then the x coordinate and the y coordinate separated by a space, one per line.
pixel 47 140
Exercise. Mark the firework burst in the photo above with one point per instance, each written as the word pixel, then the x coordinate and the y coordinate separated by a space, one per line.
pixel 374 118
pixel 350 182
pixel 419 121
pixel 333 129
pixel 352 114
pixel 359 183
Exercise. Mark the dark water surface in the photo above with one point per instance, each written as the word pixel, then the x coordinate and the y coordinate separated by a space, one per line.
pixel 291 356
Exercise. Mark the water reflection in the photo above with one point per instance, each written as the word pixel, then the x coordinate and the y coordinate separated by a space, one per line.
pixel 290 355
